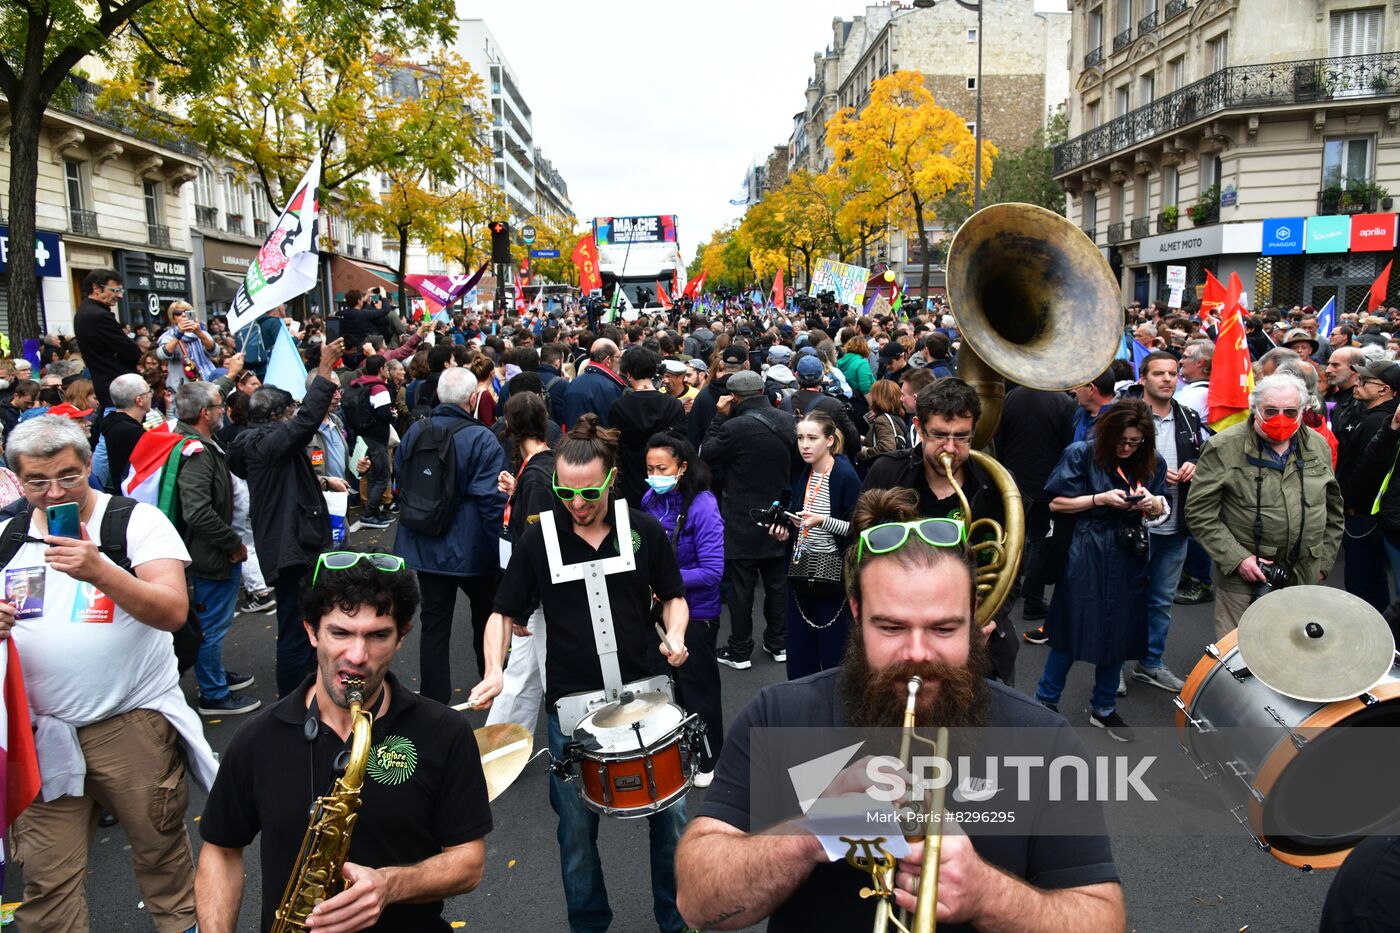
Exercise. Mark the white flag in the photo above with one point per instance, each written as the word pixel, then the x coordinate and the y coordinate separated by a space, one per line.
pixel 745 193
pixel 288 261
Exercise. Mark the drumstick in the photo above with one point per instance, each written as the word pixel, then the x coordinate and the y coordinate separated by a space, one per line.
pixel 662 632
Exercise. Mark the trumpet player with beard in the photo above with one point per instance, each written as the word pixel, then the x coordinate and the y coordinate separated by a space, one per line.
pixel 912 597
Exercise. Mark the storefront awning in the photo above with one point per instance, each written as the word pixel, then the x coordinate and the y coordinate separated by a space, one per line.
pixel 347 274
pixel 220 287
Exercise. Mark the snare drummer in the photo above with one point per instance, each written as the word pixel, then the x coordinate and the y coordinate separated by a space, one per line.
pixel 584 475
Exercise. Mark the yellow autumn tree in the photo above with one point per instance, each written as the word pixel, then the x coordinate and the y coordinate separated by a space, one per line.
pixel 900 153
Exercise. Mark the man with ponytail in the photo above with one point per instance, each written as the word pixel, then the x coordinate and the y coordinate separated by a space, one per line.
pixel 585 474
pixel 909 581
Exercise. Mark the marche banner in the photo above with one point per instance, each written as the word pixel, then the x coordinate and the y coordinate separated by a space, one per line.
pixel 846 281
pixel 288 261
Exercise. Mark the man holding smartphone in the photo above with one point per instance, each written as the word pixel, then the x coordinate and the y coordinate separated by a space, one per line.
pixel 112 728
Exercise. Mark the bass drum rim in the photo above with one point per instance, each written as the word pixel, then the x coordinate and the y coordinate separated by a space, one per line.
pixel 1200 675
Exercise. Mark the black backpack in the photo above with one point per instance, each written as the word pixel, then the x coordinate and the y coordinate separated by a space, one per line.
pixel 355 408
pixel 428 484
pixel 113 533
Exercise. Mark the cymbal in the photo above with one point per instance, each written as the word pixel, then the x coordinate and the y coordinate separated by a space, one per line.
pixel 621 715
pixel 505 748
pixel 1316 643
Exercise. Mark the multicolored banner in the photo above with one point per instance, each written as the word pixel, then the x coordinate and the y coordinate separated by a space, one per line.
pixel 439 291
pixel 288 261
pixel 844 280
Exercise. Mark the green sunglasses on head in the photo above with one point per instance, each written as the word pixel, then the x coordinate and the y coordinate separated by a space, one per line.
pixel 344 560
pixel 891 536
pixel 589 493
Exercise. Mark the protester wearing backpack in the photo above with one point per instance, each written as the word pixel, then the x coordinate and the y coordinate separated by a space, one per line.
pixel 449 522
pixel 368 410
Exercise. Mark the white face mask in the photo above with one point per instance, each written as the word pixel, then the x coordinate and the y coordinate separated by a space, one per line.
pixel 662 484
pixel 4 384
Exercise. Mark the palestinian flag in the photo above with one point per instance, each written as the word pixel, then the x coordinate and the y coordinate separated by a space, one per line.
pixel 155 461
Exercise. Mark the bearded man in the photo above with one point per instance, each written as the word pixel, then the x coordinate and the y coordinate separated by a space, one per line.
pixel 912 596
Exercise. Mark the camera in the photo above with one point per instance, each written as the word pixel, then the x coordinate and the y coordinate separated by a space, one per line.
pixel 1275 575
pixel 773 515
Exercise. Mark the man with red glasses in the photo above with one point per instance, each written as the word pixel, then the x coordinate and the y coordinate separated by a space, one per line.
pixel 912 599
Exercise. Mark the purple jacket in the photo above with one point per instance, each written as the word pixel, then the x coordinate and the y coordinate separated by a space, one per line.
pixel 700 551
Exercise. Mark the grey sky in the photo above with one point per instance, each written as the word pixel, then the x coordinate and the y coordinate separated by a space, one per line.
pixel 654 107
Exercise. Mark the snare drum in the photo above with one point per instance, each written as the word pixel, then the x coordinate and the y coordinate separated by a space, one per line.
pixel 1306 801
pixel 635 758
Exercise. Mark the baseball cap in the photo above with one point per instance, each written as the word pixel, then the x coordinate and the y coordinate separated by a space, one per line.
pixel 1387 371
pixel 700 366
pixel 784 328
pixel 745 382
pixel 673 367
pixel 891 350
pixel 807 351
pixel 734 356
pixel 779 353
pixel 809 370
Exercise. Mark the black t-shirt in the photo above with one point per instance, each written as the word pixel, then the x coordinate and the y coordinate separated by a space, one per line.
pixel 639 415
pixel 423 792
pixel 830 897
pixel 571 664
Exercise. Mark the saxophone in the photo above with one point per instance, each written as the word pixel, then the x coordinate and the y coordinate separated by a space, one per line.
pixel 316 873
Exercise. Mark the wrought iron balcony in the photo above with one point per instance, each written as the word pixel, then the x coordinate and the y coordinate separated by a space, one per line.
pixel 1174 9
pixel 233 223
pixel 1094 57
pixel 1147 24
pixel 206 217
pixel 157 234
pixel 1117 231
pixel 260 229
pixel 83 223
pixel 1277 84
pixel 1139 228
pixel 79 98
pixel 1338 200
pixel 1123 39
pixel 1166 224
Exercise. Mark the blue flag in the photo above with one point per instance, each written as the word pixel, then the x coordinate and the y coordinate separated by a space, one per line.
pixel 1139 354
pixel 1327 319
pixel 285 370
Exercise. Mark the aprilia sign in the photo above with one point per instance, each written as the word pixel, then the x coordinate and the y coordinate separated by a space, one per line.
pixel 1372 232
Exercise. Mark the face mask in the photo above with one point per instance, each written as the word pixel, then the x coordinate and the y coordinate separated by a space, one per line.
pixel 4 384
pixel 662 484
pixel 1279 428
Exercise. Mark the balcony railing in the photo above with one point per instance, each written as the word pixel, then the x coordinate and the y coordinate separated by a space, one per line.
pixel 1343 201
pixel 206 217
pixel 1147 24
pixel 83 223
pixel 80 100
pixel 1094 57
pixel 157 235
pixel 1123 39
pixel 1174 9
pixel 1166 224
pixel 260 229
pixel 1277 84
pixel 1139 228
pixel 1117 231
pixel 233 223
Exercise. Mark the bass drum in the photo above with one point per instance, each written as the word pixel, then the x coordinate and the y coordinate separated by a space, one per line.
pixel 1314 782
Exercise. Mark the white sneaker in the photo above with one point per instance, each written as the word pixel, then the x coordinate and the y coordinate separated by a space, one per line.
pixel 1122 685
pixel 703 778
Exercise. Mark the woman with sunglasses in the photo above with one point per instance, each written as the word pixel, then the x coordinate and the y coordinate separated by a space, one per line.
pixel 1112 487
pixel 826 488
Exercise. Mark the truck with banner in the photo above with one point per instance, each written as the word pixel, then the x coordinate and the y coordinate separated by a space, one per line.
pixel 642 254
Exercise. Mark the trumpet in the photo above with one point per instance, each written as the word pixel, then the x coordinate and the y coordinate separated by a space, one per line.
pixel 871 856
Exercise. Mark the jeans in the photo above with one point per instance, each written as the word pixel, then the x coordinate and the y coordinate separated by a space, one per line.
pixel 745 574
pixel 214 601
pixel 1197 562
pixel 585 894
pixel 1165 556
pixel 293 647
pixel 439 604
pixel 101 469
pixel 378 476
pixel 1365 561
pixel 1104 698
pixel 1037 527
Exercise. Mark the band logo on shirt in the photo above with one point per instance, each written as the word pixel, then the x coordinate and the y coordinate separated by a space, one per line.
pixel 392 761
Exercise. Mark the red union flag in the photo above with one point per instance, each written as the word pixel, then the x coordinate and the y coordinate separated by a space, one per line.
pixel 586 259
pixel 1231 378
pixel 288 261
pixel 1372 233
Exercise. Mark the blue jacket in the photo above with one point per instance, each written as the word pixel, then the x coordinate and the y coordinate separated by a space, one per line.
pixel 469 548
pixel 700 551
pixel 593 391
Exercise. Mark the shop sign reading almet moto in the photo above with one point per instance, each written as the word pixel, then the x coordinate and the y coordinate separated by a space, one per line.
pixel 1212 240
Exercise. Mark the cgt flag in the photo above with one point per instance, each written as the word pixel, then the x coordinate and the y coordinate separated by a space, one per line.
pixel 1231 378
pixel 586 259
pixel 661 295
pixel 779 295
pixel 288 261
pixel 1378 289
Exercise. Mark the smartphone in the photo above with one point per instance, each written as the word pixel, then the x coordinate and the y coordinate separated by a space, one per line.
pixel 1137 498
pixel 332 329
pixel 63 520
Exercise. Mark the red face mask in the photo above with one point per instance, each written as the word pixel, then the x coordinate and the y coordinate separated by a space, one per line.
pixel 1279 428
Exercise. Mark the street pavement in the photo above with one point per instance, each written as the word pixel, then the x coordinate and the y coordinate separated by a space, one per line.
pixel 1218 883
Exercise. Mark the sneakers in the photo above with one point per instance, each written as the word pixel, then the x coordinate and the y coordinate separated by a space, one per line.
pixel 704 778
pixel 258 602
pixel 375 521
pixel 1113 724
pixel 780 655
pixel 1052 707
pixel 730 658
pixel 392 508
pixel 1158 677
pixel 1194 594
pixel 237 682
pixel 231 705
pixel 1036 636
pixel 1122 685
pixel 1033 610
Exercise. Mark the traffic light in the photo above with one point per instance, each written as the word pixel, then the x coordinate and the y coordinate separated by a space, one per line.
pixel 500 241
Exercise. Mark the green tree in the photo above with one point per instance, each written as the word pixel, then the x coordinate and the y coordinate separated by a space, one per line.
pixel 44 40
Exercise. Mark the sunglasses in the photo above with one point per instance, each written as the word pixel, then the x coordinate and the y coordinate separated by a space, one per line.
pixel 344 560
pixel 891 536
pixel 589 493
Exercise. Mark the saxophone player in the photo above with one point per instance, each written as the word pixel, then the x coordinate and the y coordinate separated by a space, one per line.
pixel 418 836
pixel 911 592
